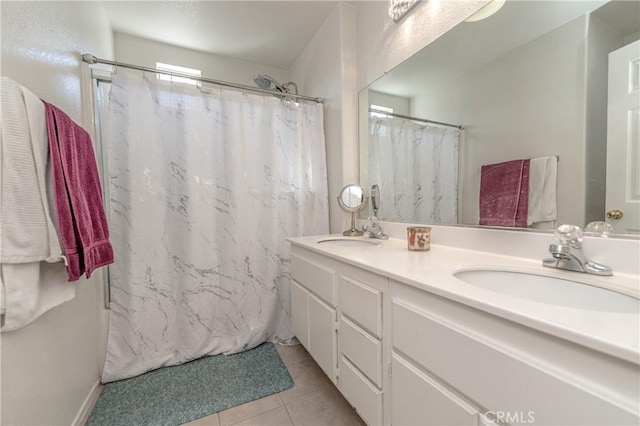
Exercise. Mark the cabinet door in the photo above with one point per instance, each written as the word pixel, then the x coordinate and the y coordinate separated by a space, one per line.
pixel 300 313
pixel 417 399
pixel 322 335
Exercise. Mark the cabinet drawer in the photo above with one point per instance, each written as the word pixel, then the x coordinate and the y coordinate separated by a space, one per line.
pixel 492 374
pixel 362 349
pixel 366 399
pixel 362 304
pixel 417 399
pixel 316 278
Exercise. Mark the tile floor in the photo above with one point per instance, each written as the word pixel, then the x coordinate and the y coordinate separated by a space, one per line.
pixel 312 401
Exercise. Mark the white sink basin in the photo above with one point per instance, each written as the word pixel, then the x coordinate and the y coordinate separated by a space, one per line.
pixel 549 290
pixel 350 242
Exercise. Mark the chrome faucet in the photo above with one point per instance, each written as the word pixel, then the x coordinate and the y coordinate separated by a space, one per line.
pixel 568 253
pixel 373 229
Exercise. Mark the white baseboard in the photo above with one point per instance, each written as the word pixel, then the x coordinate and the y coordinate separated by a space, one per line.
pixel 88 404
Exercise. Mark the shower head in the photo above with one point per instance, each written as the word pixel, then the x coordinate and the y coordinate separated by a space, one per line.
pixel 267 82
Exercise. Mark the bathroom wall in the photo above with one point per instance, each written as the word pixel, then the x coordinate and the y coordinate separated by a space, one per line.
pixel 382 44
pixel 50 366
pixel 140 51
pixel 327 69
pixel 502 116
pixel 602 39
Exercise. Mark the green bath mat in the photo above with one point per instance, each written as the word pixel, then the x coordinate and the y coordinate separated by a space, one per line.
pixel 179 394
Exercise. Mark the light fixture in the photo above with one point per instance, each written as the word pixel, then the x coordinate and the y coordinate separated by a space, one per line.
pixel 399 8
pixel 485 11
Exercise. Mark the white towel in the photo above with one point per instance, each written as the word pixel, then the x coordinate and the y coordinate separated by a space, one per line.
pixel 31 289
pixel 27 233
pixel 29 286
pixel 40 143
pixel 542 190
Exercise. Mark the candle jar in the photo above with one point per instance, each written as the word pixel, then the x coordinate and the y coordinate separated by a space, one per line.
pixel 418 238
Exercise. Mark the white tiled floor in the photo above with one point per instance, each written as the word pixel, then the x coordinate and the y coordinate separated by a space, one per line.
pixel 313 400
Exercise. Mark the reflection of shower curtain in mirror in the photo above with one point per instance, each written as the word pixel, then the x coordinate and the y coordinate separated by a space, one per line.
pixel 416 167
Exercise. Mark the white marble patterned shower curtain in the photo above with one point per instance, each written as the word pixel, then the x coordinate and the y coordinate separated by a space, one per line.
pixel 416 167
pixel 205 186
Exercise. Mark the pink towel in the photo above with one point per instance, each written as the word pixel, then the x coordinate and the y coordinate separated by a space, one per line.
pixel 82 222
pixel 504 193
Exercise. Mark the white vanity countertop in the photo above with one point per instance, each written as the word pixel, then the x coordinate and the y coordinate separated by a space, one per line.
pixel 614 333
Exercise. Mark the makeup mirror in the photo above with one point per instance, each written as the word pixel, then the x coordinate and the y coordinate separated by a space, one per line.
pixel 352 199
pixel 375 199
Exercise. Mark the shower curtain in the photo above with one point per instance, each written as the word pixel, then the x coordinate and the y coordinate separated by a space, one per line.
pixel 205 185
pixel 416 168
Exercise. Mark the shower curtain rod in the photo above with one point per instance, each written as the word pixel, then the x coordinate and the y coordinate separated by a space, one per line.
pixel 408 117
pixel 90 59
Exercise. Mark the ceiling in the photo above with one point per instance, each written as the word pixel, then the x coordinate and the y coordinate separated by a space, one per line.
pixel 271 33
pixel 623 15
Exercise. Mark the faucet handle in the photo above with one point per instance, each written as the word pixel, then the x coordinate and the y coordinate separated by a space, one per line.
pixel 373 221
pixel 370 224
pixel 570 235
pixel 602 229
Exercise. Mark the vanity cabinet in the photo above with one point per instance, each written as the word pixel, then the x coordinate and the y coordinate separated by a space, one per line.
pixel 402 355
pixel 313 310
pixel 511 373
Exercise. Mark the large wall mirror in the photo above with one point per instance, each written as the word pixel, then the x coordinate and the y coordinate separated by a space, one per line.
pixel 544 92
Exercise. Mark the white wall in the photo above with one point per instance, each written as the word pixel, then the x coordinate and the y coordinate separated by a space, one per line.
pixel 327 69
pixel 50 366
pixel 602 39
pixel 502 103
pixel 383 44
pixel 145 52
